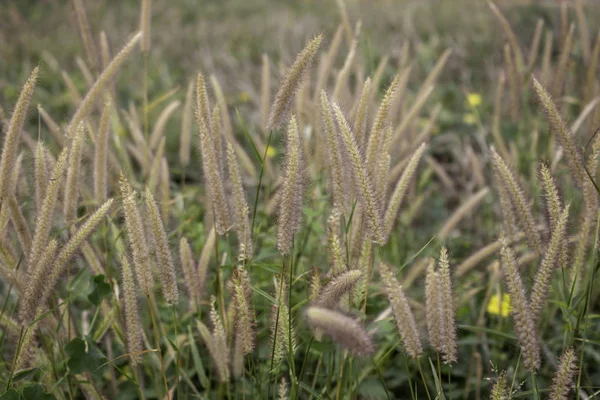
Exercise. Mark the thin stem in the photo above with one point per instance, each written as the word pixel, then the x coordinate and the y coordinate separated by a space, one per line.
pixel 276 325
pixel 439 371
pixel 290 349
pixel 159 351
pixel 262 170
pixel 423 378
pixel 12 367
pixel 588 296
pixel 536 394
pixel 176 350
pixel 219 277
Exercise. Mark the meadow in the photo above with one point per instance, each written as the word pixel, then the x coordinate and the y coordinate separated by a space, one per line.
pixel 263 199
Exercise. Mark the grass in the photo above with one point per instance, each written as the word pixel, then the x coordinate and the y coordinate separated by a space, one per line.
pixel 302 311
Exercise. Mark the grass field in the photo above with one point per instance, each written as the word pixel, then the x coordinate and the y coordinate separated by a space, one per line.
pixel 341 199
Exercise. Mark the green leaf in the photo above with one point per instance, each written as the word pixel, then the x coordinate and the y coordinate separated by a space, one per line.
pixel 256 153
pixel 372 389
pixel 36 392
pixel 172 344
pixel 83 356
pixel 264 294
pixel 100 289
pixel 310 390
pixel 25 374
pixel 11 394
pixel 197 361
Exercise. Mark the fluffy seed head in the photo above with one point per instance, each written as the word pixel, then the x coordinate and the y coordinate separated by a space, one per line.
pixel 132 317
pixel 145 19
pixel 220 341
pixel 376 136
pixel 245 320
pixel 401 188
pixel 186 127
pixel 137 238
pixel 292 191
pixel 553 204
pixel 164 259
pixel 101 155
pixel 500 389
pixel 211 162
pixel 449 338
pixel 344 330
pixel 47 276
pixel 282 334
pixel 562 382
pixel 291 82
pixel 44 220
pixel 241 210
pixel 13 134
pixel 403 315
pixel 72 182
pixel 573 156
pixel 524 324
pixel 362 179
pixel 106 76
pixel 339 286
pixel 518 201
pixel 189 269
pixel 28 303
pixel 340 198
pixel 434 307
pixel 41 176
pixel 543 278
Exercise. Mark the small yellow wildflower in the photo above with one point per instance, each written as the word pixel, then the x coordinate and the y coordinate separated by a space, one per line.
pixel 474 99
pixel 470 119
pixel 243 97
pixel 271 152
pixel 499 307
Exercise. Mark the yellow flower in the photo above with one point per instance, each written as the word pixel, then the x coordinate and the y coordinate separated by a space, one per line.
pixel 474 99
pixel 271 152
pixel 499 307
pixel 243 97
pixel 470 119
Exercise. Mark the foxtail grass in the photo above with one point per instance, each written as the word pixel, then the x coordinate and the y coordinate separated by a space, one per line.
pixel 434 307
pixel 44 219
pixel 291 82
pixel 40 176
pixel 106 76
pixel 401 189
pixel 245 317
pixel 292 192
pixel 137 238
pixel 563 380
pixel 376 134
pixel 449 345
pixel 240 207
pixel 145 24
pixel 164 258
pixel 73 174
pixel 342 329
pixel 524 325
pixel 13 134
pixel 101 155
pixel 519 203
pixel 186 127
pixel 339 192
pixel 362 178
pixel 132 318
pixel 405 320
pixel 211 161
pixel 339 286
